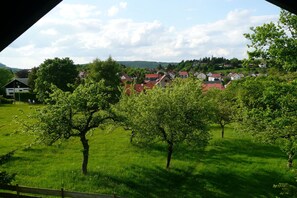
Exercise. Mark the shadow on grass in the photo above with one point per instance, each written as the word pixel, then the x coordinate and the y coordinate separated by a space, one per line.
pixel 220 149
pixel 140 181
pixel 242 152
pixel 180 152
pixel 158 182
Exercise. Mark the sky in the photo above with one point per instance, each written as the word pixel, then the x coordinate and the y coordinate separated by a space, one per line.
pixel 133 30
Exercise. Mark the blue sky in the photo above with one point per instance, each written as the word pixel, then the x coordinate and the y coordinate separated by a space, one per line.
pixel 152 30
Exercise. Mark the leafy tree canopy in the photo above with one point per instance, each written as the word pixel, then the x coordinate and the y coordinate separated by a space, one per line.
pixel 24 73
pixel 175 114
pixel 59 72
pixel 137 73
pixel 108 71
pixel 5 76
pixel 268 109
pixel 32 77
pixel 275 44
pixel 71 114
pixel 222 105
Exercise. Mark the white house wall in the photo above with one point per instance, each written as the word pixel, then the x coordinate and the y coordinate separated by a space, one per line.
pixel 11 91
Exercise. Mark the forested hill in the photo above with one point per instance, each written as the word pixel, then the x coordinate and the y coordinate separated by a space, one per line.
pixel 134 64
pixel 10 68
pixel 2 65
pixel 144 64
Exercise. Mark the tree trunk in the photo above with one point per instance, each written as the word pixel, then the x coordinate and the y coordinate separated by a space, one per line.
pixel 85 144
pixel 169 154
pixel 131 136
pixel 290 160
pixel 223 130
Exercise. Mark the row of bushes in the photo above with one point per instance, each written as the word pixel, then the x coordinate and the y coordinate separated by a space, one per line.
pixel 23 97
pixel 4 100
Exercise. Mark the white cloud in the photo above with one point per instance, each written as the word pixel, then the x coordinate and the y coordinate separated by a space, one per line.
pixel 27 50
pixel 73 11
pixel 123 5
pixel 50 31
pixel 121 33
pixel 219 52
pixel 112 11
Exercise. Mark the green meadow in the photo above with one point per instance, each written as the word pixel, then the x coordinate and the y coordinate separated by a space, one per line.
pixel 235 166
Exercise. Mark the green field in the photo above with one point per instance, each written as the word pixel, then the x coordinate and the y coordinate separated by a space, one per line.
pixel 231 167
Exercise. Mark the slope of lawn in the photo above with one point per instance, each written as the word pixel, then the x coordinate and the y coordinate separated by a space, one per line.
pixel 231 167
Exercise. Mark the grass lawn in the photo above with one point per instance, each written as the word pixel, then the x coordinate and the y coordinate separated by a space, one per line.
pixel 231 167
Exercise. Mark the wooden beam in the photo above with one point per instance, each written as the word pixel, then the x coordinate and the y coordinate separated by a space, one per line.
pixel 289 5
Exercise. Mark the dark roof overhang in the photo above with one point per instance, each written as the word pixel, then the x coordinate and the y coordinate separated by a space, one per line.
pixel 289 5
pixel 19 15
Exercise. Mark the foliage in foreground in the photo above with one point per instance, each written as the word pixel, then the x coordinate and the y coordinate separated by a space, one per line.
pixel 268 109
pixel 275 44
pixel 287 190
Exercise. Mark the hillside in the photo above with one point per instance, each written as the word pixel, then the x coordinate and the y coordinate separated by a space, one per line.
pixel 137 64
pixel 2 65
pixel 144 64
pixel 10 68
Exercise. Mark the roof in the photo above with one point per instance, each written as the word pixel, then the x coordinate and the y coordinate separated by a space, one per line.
pixel 183 73
pixel 289 5
pixel 21 80
pixel 212 84
pixel 138 87
pixel 152 75
pixel 199 73
pixel 162 78
pixel 18 16
pixel 126 78
pixel 216 75
pixel 141 87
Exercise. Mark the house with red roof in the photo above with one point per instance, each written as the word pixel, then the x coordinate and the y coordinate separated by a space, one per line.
pixel 215 77
pixel 152 78
pixel 183 74
pixel 212 85
pixel 164 81
pixel 150 82
pixel 125 78
pixel 137 88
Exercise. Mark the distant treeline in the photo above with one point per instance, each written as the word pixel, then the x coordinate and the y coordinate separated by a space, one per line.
pixel 145 64
pixel 207 64
pixel 203 64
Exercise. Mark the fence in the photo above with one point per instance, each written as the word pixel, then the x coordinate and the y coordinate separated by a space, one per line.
pixel 16 191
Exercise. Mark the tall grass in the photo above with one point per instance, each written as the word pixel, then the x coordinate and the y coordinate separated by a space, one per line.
pixel 234 166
